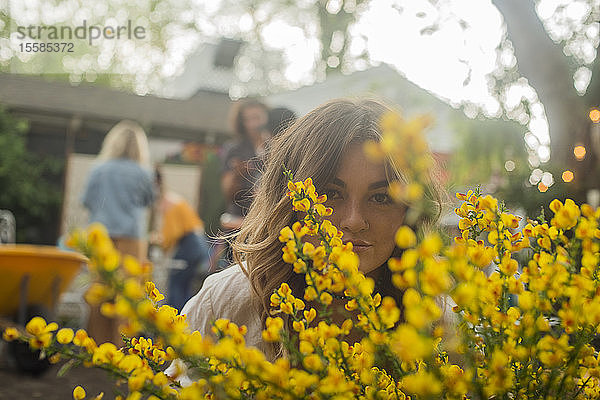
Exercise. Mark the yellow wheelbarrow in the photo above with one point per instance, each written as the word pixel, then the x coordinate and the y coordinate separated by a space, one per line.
pixel 31 281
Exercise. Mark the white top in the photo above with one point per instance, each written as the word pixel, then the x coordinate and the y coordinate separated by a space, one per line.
pixel 226 294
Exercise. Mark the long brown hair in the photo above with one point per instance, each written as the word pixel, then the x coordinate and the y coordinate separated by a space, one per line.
pixel 311 147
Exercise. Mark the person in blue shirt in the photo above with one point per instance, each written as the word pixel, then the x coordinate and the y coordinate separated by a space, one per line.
pixel 118 191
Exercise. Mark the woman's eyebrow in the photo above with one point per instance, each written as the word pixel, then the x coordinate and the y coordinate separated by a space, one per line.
pixel 378 185
pixel 338 182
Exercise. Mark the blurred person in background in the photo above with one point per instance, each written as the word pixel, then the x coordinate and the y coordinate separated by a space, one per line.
pixel 242 163
pixel 117 193
pixel 181 235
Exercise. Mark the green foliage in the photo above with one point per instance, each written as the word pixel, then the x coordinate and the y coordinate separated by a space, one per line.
pixel 516 187
pixel 482 148
pixel 25 178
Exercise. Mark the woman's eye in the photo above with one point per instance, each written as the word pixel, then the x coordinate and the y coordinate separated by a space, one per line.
pixel 332 194
pixel 381 198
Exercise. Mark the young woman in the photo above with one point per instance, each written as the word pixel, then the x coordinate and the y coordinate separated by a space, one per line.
pixel 242 165
pixel 327 145
pixel 120 187
pixel 118 191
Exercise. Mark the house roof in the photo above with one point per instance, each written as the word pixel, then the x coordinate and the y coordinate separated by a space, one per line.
pixel 382 82
pixel 204 114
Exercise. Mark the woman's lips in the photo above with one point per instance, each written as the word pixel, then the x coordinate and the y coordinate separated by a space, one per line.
pixel 359 246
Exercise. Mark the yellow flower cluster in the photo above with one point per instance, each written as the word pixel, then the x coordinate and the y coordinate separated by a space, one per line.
pixel 542 315
pixel 331 271
pixel 404 143
pixel 502 312
pixel 134 366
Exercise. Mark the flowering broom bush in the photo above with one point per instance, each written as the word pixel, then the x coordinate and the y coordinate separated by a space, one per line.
pixel 524 331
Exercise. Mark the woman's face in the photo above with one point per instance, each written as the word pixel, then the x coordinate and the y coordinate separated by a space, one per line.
pixel 254 119
pixel 363 209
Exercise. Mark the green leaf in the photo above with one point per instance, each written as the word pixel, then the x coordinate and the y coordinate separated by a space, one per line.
pixel 68 365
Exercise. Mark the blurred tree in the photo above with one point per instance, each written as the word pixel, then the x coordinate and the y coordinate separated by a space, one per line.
pixel 170 35
pixel 519 194
pixel 327 23
pixel 492 153
pixel 557 51
pixel 483 149
pixel 28 182
pixel 175 29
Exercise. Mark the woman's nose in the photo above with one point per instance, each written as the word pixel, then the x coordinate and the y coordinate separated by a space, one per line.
pixel 353 218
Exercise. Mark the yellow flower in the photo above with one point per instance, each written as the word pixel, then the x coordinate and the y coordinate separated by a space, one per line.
pixel 134 396
pixel 10 334
pixel 153 293
pixel 422 383
pixel 129 363
pixel 488 203
pixel 133 289
pixel 388 312
pixel 286 308
pixel 326 298
pixel 65 335
pixel 286 234
pixel 430 245
pixel 510 221
pixel 322 210
pixel 78 393
pixel 310 293
pixel 80 337
pixel 310 315
pixel 97 235
pixel 312 362
pixel 98 293
pixel 434 278
pixel 464 294
pixel 284 290
pixel 298 326
pixel 408 345
pixel 406 279
pixel 565 216
pixel 40 341
pixel 37 326
pixel 414 191
pixel 132 265
pixel 373 150
pixel 405 237
pixel 408 260
pixel 109 260
pixel 306 347
pixel 273 331
pixel 106 353
pixel 301 205
pixel 526 301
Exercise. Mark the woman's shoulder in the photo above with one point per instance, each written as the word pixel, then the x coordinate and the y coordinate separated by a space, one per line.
pixel 232 287
pixel 118 165
pixel 227 294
